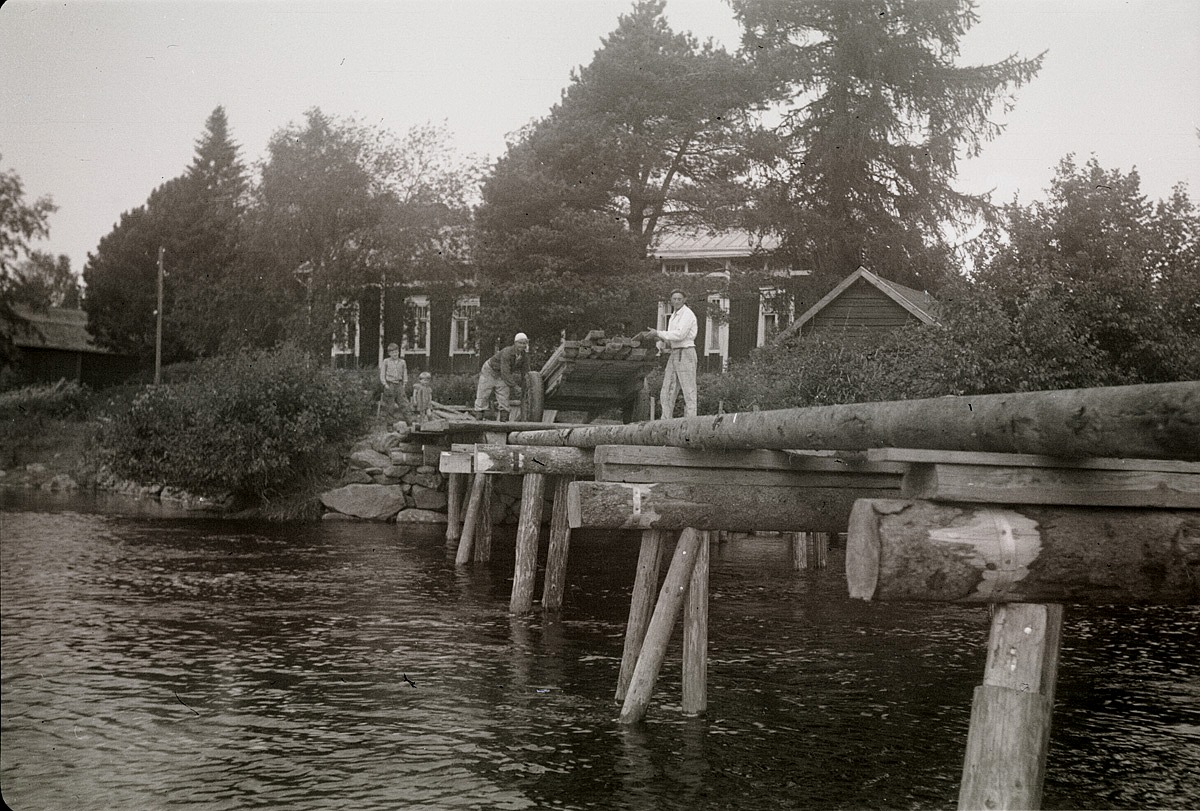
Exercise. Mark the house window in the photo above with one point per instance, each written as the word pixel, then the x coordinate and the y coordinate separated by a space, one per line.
pixel 677 266
pixel 462 327
pixel 773 314
pixel 344 351
pixel 664 314
pixel 416 338
pixel 716 330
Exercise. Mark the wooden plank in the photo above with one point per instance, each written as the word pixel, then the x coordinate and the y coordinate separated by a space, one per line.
pixel 739 477
pixel 455 462
pixel 560 545
pixel 744 459
pixel 968 553
pixel 616 505
pixel 511 459
pixel 1048 485
pixel 924 456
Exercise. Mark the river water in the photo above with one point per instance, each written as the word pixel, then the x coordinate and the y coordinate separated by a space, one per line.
pixel 152 661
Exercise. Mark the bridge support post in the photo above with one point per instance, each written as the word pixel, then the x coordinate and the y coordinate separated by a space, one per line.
pixel 641 604
pixel 560 544
pixel 470 519
pixel 454 497
pixel 483 528
pixel 810 550
pixel 533 488
pixel 695 633
pixel 666 611
pixel 1005 762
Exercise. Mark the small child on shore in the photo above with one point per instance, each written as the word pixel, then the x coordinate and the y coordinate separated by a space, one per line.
pixel 422 398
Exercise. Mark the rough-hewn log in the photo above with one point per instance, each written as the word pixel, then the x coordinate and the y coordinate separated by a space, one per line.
pixel 658 634
pixel 1052 485
pixel 559 549
pixel 1005 761
pixel 533 487
pixel 919 550
pixel 1160 420
pixel 614 505
pixel 533 459
pixel 695 634
pixel 641 603
pixel 665 474
pixel 903 456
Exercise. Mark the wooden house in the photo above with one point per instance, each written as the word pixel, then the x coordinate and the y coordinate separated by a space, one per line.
pixel 864 304
pixel 54 344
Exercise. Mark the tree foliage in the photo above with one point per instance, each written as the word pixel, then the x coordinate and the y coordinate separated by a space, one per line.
pixel 874 116
pixel 342 205
pixel 43 280
pixel 648 132
pixel 21 222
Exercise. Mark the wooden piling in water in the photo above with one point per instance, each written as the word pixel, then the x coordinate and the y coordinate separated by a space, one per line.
pixel 470 521
pixel 798 545
pixel 560 545
pixel 1005 762
pixel 533 488
pixel 666 611
pixel 454 493
pixel 641 604
pixel 483 528
pixel 695 633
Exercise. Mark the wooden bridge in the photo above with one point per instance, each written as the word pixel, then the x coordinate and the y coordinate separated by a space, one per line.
pixel 1026 502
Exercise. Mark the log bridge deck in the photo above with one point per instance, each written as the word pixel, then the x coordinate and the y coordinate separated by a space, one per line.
pixel 1023 501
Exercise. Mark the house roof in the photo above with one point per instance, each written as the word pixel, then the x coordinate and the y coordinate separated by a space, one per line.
pixel 919 304
pixel 679 244
pixel 54 328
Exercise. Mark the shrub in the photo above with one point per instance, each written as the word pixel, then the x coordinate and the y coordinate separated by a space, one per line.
pixel 62 400
pixel 256 423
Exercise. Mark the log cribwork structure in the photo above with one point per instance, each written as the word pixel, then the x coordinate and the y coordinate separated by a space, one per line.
pixel 1023 501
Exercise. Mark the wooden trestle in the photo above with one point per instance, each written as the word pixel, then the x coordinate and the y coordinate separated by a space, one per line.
pixel 1024 501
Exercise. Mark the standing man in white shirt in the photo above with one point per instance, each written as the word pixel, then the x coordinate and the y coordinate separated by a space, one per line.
pixel 680 339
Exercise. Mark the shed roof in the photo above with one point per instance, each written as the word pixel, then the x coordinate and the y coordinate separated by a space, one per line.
pixel 919 304
pixel 54 328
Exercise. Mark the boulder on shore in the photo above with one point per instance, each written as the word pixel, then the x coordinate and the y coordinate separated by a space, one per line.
pixel 377 502
pixel 417 516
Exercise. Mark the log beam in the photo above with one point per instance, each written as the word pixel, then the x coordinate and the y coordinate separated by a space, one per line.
pixel 520 459
pixel 1159 420
pixel 919 550
pixel 641 603
pixel 615 505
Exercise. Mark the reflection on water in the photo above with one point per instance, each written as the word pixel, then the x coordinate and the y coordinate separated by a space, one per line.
pixel 153 661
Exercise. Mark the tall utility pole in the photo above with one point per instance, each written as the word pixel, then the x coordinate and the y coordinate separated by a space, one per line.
pixel 158 326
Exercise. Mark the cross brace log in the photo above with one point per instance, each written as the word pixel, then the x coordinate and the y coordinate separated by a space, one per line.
pixel 616 505
pixel 969 553
pixel 513 459
pixel 667 474
pixel 1051 485
pixel 791 460
pixel 1152 421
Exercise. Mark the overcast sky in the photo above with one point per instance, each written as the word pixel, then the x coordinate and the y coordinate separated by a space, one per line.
pixel 102 101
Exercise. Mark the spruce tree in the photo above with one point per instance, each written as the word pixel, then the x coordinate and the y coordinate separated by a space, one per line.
pixel 874 117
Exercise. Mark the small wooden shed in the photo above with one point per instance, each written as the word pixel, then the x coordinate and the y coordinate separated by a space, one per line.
pixel 54 344
pixel 864 304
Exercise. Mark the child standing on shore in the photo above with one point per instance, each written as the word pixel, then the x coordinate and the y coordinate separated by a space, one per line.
pixel 422 398
pixel 393 374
